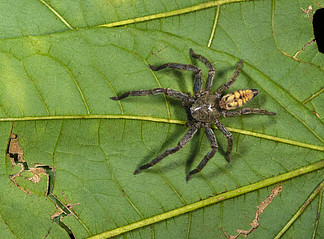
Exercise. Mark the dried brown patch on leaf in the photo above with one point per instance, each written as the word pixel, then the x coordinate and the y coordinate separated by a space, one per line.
pixel 63 208
pixel 309 12
pixel 303 49
pixel 16 156
pixel 14 151
pixel 255 223
pixel 36 172
pixel 317 115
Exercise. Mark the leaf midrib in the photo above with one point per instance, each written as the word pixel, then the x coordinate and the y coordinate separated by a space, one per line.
pixel 161 120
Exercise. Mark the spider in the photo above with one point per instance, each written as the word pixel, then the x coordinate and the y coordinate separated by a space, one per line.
pixel 203 108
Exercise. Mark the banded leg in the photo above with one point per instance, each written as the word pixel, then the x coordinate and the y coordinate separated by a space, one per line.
pixel 211 72
pixel 229 137
pixel 230 82
pixel 172 93
pixel 198 74
pixel 213 143
pixel 246 111
pixel 185 139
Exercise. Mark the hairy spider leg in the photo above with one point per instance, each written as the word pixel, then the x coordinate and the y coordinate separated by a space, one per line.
pixel 213 143
pixel 172 93
pixel 211 72
pixel 185 139
pixel 198 74
pixel 246 111
pixel 230 82
pixel 229 137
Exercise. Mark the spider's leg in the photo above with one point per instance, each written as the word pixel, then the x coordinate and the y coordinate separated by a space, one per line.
pixel 230 82
pixel 198 76
pixel 246 111
pixel 213 143
pixel 211 72
pixel 229 137
pixel 185 139
pixel 172 93
pixel 190 120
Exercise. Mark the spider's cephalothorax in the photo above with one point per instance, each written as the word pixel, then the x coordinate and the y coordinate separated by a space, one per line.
pixel 204 108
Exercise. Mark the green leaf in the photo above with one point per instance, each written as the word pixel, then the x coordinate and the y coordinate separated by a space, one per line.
pixel 63 60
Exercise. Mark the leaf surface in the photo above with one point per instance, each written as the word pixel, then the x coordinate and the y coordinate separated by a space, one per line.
pixel 63 60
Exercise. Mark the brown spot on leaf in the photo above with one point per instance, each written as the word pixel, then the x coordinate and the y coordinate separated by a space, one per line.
pixel 16 156
pixel 317 115
pixel 255 223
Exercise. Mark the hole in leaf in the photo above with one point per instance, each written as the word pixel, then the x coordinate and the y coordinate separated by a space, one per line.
pixel 318 26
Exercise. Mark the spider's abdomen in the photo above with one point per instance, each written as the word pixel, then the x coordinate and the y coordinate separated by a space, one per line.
pixel 204 109
pixel 237 98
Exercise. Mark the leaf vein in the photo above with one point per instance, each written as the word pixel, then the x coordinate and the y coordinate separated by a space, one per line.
pixel 214 26
pixel 212 200
pixel 37 90
pixel 57 14
pixel 119 186
pixel 170 13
